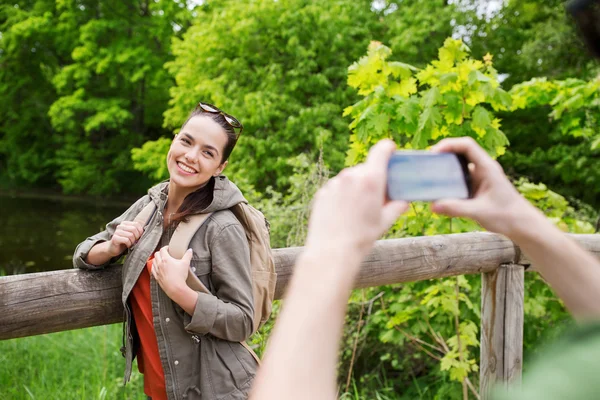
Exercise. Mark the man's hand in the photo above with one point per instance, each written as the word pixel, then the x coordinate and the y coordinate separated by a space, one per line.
pixel 496 204
pixel 351 211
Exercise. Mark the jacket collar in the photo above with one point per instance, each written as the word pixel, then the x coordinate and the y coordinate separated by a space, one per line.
pixel 158 193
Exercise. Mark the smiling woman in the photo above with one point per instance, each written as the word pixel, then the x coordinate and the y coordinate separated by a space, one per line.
pixel 187 342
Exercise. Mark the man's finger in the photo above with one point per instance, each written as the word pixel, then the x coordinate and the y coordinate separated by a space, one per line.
pixel 464 145
pixel 379 155
pixel 391 211
pixel 454 207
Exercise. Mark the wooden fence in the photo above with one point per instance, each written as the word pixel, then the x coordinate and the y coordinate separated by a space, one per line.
pixel 34 304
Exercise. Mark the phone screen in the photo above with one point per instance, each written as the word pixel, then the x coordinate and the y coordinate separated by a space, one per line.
pixel 426 176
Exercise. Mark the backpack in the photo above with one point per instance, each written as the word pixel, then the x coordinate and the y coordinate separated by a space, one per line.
pixel 257 231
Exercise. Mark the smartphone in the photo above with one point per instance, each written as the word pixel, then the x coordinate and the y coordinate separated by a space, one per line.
pixel 427 176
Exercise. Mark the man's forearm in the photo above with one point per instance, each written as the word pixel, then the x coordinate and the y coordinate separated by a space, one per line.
pixel 307 331
pixel 571 271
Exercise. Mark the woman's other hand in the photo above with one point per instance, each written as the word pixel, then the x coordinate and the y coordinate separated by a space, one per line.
pixel 169 272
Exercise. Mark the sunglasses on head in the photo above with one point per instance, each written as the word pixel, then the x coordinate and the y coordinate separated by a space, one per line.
pixel 231 120
pixel 587 16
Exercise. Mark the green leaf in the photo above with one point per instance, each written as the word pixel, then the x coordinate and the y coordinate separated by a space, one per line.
pixel 449 77
pixel 453 113
pixel 477 76
pixel 401 70
pixel 430 118
pixel 431 97
pixel 481 120
pixel 405 88
pixel 409 111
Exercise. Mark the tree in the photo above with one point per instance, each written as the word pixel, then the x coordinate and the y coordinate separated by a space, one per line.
pixel 84 83
pixel 113 94
pixel 280 67
pixel 29 57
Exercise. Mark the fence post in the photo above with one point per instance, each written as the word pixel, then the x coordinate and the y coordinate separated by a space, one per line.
pixel 501 357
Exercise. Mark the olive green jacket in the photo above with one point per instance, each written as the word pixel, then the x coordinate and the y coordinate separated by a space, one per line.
pixel 201 354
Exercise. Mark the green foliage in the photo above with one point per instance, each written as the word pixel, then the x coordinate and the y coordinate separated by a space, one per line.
pixel 28 55
pixel 453 96
pixel 555 206
pixel 151 159
pixel 84 83
pixel 567 138
pixel 573 163
pixel 279 69
pixel 456 97
pixel 533 38
pixel 575 105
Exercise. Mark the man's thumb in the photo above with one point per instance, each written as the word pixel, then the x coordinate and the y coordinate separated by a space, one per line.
pixel 453 208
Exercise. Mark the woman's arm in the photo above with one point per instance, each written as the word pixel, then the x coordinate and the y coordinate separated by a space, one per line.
pixel 97 251
pixel 125 235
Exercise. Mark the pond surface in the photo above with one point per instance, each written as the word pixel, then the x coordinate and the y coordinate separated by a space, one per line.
pixel 40 233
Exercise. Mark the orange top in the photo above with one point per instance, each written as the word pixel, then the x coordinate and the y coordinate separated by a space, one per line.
pixel 148 357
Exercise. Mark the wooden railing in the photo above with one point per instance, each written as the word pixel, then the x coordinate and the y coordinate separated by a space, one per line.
pixel 34 304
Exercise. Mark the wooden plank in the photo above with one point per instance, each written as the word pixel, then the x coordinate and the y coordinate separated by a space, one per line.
pixel 501 347
pixel 418 258
pixel 55 301
pixel 33 304
pixel 513 324
pixel 492 331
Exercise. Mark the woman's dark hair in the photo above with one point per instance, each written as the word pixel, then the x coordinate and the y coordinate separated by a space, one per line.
pixel 197 201
pixel 194 202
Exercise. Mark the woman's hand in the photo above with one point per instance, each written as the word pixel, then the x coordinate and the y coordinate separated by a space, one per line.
pixel 125 236
pixel 169 272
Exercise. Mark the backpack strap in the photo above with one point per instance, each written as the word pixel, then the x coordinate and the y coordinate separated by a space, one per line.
pixel 180 241
pixel 144 216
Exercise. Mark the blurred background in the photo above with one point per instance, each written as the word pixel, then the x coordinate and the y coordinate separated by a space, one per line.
pixel 92 91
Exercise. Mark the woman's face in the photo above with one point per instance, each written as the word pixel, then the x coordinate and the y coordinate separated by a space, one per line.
pixel 196 152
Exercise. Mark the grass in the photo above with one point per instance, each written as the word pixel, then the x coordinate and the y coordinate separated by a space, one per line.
pixel 78 364
pixel 86 364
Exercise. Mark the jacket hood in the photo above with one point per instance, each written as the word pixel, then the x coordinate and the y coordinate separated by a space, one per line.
pixel 226 194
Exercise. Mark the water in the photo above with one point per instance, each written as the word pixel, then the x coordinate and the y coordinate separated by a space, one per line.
pixel 40 233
